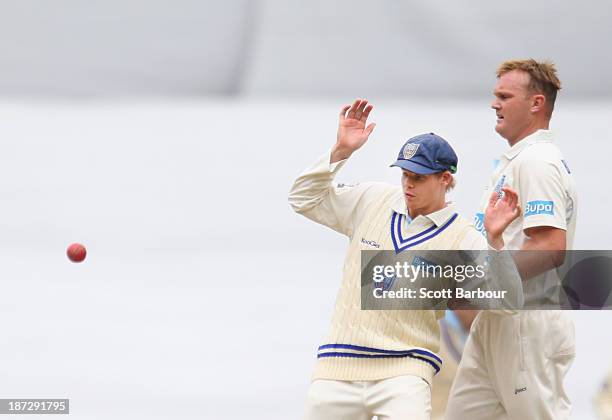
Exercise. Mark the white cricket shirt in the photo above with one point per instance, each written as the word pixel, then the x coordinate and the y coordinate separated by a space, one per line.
pixel 536 169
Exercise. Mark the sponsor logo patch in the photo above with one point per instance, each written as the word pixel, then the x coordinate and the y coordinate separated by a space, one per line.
pixel 370 243
pixel 539 207
pixel 410 150
pixel 499 185
pixel 479 223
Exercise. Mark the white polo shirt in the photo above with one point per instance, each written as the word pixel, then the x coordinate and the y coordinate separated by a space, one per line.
pixel 536 169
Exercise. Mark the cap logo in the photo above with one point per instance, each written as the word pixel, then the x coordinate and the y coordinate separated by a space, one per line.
pixel 410 150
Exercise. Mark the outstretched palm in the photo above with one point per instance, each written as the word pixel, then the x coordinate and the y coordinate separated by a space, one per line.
pixel 352 130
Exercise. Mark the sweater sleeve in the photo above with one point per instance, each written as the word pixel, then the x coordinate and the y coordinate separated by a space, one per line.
pixel 340 207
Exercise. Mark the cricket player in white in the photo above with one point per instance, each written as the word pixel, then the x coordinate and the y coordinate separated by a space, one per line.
pixel 454 329
pixel 377 362
pixel 513 365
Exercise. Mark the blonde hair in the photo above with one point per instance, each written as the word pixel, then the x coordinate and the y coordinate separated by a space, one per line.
pixel 452 183
pixel 542 77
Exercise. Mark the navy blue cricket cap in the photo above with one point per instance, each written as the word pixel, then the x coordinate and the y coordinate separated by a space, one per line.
pixel 427 154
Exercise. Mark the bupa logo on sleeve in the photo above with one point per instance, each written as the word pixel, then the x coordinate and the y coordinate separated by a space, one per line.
pixel 479 223
pixel 539 207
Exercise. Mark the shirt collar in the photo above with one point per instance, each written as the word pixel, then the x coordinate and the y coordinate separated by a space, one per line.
pixel 438 218
pixel 441 216
pixel 540 136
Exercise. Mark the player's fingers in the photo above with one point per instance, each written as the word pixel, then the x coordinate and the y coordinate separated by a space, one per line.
pixel 360 109
pixel 506 197
pixel 366 113
pixel 343 111
pixel 510 191
pixel 511 196
pixel 353 109
pixel 515 199
pixel 512 204
pixel 369 129
pixel 493 199
pixel 362 105
pixel 502 194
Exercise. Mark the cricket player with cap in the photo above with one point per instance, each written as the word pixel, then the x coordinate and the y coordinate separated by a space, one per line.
pixel 381 363
pixel 513 365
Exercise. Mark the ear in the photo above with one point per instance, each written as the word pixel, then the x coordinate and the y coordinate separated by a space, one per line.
pixel 446 178
pixel 538 103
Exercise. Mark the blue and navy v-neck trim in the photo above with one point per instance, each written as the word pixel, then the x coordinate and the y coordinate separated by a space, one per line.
pixel 400 243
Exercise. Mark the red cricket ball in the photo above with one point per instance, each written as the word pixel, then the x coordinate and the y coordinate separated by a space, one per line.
pixel 76 253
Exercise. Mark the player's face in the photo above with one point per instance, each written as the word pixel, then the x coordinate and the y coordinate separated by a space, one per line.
pixel 424 194
pixel 512 105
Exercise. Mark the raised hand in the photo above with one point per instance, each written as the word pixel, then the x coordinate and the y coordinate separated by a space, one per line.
pixel 501 211
pixel 352 130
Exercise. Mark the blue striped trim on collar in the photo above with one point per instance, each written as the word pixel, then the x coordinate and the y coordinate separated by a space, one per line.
pixel 418 235
pixel 353 351
pixel 400 244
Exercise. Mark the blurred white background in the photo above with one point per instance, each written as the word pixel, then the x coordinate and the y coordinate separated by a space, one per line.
pixel 165 136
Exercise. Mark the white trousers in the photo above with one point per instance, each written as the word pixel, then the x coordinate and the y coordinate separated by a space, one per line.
pixel 513 368
pixel 405 397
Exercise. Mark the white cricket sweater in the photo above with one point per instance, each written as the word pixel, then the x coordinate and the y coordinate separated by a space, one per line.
pixel 370 345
